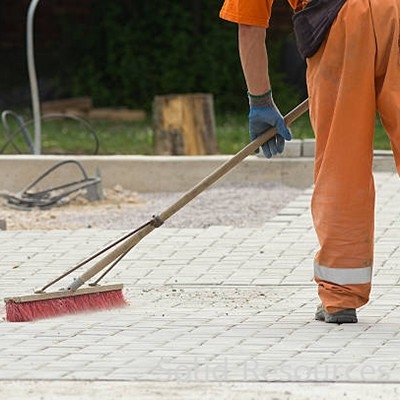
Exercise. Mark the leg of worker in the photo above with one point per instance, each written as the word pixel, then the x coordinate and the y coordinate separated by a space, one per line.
pixel 386 22
pixel 340 80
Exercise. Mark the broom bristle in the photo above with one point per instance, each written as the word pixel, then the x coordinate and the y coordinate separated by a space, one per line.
pixel 23 311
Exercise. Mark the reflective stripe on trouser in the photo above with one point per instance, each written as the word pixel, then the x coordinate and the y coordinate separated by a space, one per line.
pixel 355 72
pixel 335 285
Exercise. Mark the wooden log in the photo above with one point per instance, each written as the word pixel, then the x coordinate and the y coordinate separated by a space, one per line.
pixel 184 124
pixel 78 104
pixel 116 114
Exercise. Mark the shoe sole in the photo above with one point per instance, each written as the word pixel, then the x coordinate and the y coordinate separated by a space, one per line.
pixel 341 317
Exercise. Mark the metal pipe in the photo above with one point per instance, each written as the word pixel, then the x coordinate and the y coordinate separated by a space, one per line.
pixel 33 78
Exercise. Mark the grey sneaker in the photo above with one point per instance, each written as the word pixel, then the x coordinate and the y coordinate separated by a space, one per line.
pixel 346 316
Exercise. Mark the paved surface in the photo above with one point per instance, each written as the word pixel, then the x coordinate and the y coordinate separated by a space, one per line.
pixel 217 312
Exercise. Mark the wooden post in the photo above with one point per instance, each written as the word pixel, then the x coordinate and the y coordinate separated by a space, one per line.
pixel 184 124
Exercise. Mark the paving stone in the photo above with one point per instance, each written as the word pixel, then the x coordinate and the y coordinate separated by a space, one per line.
pixel 221 294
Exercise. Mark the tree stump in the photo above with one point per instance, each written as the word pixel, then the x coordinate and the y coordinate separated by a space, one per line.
pixel 184 124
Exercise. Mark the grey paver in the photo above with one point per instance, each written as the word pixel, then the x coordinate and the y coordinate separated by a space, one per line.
pixel 232 297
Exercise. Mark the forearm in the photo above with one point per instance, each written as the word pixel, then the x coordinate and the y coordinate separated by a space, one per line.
pixel 254 59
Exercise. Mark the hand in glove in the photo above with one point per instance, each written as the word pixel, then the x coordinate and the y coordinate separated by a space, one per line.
pixel 263 115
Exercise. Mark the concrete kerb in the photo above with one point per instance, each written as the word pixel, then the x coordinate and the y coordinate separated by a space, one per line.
pixel 167 173
pixel 155 173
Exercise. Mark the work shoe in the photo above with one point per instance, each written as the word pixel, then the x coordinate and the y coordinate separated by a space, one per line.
pixel 346 316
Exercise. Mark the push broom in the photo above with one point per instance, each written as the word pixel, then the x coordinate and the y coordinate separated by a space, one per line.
pixel 75 298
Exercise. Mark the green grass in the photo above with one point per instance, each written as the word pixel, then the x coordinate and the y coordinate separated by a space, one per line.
pixel 64 136
pixel 381 140
pixel 232 133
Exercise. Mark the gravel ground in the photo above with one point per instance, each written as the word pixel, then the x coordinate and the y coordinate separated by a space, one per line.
pixel 231 205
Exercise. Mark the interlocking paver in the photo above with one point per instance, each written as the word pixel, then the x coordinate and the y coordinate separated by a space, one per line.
pixel 234 300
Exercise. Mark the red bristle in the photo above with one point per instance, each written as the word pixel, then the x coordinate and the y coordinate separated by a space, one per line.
pixel 39 309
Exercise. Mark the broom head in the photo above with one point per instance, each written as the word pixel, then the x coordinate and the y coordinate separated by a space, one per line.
pixel 53 304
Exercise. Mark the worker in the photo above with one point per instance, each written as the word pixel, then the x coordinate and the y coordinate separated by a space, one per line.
pixel 353 72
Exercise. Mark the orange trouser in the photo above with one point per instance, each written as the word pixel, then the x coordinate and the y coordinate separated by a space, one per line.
pixel 355 73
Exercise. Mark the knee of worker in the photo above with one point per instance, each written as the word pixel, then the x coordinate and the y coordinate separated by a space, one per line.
pixel 336 297
pixel 345 234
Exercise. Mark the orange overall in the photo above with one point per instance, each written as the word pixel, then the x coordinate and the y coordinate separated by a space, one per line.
pixel 355 73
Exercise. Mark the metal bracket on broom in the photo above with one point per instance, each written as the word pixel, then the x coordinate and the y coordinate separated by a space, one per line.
pixel 155 221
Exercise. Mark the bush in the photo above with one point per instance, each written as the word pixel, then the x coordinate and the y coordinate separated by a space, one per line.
pixel 131 51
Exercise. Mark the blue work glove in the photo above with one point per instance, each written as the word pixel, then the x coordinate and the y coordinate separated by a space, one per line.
pixel 263 115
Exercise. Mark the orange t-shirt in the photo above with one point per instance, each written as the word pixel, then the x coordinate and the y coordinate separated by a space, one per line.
pixel 252 12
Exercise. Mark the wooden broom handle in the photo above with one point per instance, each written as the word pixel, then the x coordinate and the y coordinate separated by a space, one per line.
pixel 186 198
